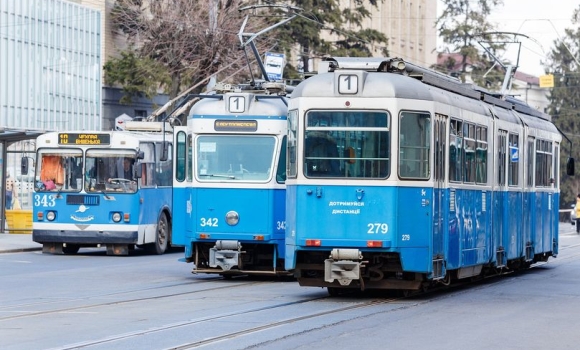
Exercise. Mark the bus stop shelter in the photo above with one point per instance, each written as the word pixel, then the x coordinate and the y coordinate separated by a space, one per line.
pixel 9 136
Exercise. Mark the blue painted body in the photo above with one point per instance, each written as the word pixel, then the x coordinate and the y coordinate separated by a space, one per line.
pixel 469 236
pixel 95 211
pixel 221 184
pixel 261 210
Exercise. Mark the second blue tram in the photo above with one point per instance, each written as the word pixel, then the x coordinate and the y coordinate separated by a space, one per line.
pixel 229 184
pixel 400 177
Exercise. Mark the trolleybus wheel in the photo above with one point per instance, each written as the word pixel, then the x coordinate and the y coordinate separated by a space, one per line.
pixel 161 237
pixel 70 249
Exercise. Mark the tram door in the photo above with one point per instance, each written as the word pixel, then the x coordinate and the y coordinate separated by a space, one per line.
pixel 182 186
pixel 440 135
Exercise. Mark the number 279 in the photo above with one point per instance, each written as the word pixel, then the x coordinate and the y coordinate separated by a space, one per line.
pixel 377 228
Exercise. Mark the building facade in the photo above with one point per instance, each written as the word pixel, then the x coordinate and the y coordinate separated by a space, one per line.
pixel 50 79
pixel 50 65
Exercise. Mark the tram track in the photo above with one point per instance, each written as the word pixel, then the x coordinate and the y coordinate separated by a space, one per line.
pixel 406 302
pixel 119 302
pixel 230 335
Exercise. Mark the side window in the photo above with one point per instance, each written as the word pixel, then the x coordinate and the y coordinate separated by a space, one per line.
pixel 291 170
pixel 530 164
pixel 281 169
pixel 469 152
pixel 543 163
pixel 513 163
pixel 163 172
pixel 147 164
pixel 189 160
pixel 556 166
pixel 180 162
pixel 501 157
pixel 481 155
pixel 455 150
pixel 414 143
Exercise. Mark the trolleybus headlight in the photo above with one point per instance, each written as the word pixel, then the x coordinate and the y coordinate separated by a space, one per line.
pixel 116 217
pixel 232 218
pixel 50 216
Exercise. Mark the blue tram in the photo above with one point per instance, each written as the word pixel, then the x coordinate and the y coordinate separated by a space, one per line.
pixel 400 178
pixel 229 182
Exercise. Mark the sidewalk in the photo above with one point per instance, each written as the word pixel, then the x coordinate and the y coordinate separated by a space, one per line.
pixel 14 243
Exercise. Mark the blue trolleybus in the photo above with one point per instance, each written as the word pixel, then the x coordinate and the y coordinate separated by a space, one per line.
pixel 229 191
pixel 97 189
pixel 401 178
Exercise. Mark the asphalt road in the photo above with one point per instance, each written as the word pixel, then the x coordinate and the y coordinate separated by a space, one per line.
pixel 95 301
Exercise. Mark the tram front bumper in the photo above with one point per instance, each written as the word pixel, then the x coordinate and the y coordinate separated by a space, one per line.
pixel 85 237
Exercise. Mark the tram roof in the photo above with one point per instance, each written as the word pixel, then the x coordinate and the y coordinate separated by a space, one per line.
pixel 429 77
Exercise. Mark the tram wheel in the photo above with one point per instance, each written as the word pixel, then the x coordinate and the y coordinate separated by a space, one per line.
pixel 70 249
pixel 161 237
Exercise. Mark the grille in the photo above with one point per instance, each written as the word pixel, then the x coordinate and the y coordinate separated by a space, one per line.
pixel 82 199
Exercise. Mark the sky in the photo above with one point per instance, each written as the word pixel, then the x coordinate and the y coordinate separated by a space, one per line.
pixel 543 21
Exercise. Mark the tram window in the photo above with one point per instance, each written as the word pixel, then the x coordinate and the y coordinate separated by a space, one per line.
pixel 235 157
pixel 513 163
pixel 281 169
pixel 530 165
pixel 181 160
pixel 469 152
pixel 481 155
pixel 455 150
pixel 291 164
pixel 414 143
pixel 543 163
pixel 189 157
pixel 346 144
pixel 555 165
pixel 502 157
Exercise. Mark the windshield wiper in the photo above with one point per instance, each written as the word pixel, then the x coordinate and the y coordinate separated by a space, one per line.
pixel 105 194
pixel 216 175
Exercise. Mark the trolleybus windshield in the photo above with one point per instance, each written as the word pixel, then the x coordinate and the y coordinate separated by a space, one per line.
pixel 110 170
pixel 59 170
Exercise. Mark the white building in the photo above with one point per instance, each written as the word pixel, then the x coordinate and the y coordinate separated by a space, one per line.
pixel 50 74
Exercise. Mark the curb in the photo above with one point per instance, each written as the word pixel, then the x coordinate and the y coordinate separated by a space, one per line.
pixel 19 250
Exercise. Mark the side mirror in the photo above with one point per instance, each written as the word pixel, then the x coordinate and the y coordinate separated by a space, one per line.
pixel 24 166
pixel 570 166
pixel 137 170
pixel 164 151
pixel 140 155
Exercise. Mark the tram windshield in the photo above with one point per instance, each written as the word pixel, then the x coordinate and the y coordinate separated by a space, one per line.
pixel 347 144
pixel 59 170
pixel 235 158
pixel 110 170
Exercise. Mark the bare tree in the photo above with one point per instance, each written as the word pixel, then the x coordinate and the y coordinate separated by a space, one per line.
pixel 192 39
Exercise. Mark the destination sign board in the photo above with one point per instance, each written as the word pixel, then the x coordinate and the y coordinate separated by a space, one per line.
pixel 236 125
pixel 66 138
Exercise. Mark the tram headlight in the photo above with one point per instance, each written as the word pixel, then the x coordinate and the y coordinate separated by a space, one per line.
pixel 232 218
pixel 116 217
pixel 50 216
